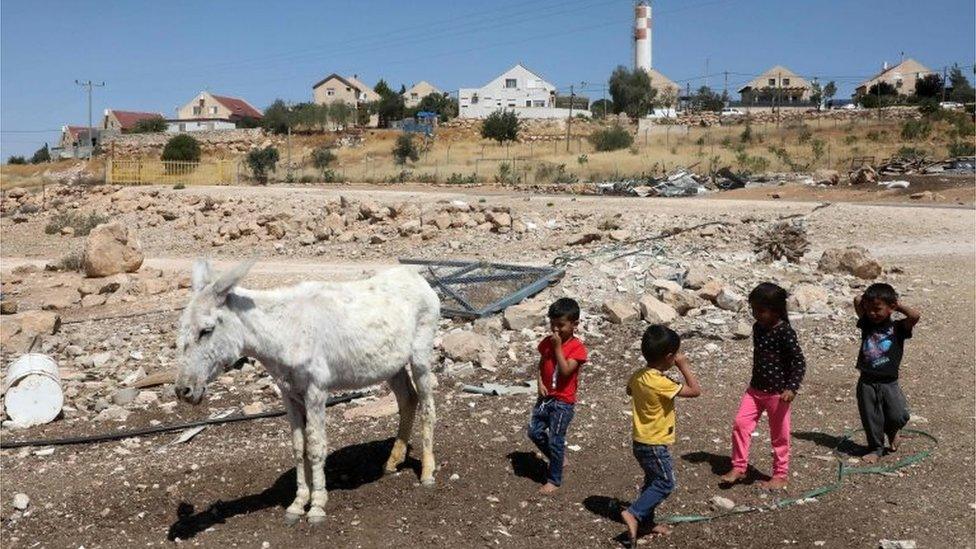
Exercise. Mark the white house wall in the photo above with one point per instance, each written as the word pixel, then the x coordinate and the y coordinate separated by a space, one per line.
pixel 531 97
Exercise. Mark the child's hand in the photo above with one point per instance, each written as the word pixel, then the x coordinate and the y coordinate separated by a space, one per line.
pixel 543 391
pixel 556 341
pixel 787 396
pixel 681 361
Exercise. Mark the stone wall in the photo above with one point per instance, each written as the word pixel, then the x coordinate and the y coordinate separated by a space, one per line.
pixel 791 115
pixel 214 144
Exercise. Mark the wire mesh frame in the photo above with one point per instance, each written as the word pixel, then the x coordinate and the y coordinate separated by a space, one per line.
pixel 461 283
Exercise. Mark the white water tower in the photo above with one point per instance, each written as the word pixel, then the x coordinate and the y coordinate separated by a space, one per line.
pixel 642 35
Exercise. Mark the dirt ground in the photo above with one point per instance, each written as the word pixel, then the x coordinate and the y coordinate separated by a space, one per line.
pixel 228 486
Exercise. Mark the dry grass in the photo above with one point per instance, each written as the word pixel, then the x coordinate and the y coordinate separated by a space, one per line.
pixel 31 175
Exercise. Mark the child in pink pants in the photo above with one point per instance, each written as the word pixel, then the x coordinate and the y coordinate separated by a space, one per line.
pixel 777 371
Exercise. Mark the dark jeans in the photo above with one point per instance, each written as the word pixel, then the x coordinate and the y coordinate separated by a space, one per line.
pixel 547 429
pixel 883 411
pixel 655 460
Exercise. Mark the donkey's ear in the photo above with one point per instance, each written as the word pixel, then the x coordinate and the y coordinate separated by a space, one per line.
pixel 223 285
pixel 201 275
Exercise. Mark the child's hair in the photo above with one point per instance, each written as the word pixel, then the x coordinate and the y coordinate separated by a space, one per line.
pixel 565 307
pixel 771 297
pixel 658 342
pixel 881 291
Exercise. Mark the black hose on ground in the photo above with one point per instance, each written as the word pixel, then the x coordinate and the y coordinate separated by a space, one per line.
pixel 106 437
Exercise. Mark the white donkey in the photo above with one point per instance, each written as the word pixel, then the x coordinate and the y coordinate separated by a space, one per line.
pixel 313 338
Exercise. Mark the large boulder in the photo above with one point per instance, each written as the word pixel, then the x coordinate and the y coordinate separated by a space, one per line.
pixel 655 311
pixel 854 260
pixel 528 314
pixel 620 311
pixel 463 346
pixel 808 298
pixel 729 300
pixel 683 300
pixel 111 248
pixel 865 175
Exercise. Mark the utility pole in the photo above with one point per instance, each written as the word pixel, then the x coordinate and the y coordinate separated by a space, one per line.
pixel 89 84
pixel 725 91
pixel 706 72
pixel 569 121
pixel 944 76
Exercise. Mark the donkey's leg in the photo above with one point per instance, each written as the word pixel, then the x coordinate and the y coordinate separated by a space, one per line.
pixel 296 418
pixel 423 378
pixel 406 397
pixel 315 399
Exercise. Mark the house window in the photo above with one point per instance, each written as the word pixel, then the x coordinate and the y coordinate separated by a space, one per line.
pixel 474 99
pixel 898 83
pixel 329 92
pixel 213 110
pixel 772 81
pixel 538 103
pixel 182 126
pixel 197 111
pixel 413 96
pixel 786 81
pixel 528 102
pixel 511 82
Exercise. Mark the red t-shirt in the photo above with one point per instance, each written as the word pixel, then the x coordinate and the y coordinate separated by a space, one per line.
pixel 561 387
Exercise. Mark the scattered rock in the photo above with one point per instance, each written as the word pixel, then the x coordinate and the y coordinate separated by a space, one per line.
pixel 59 298
pixel 620 311
pixel 21 501
pixel 711 289
pixel 729 300
pixel 720 503
pixel 528 314
pixel 656 311
pixel 111 248
pixel 8 307
pixel 125 396
pixel 897 544
pixel 373 409
pixel 853 260
pixel 683 301
pixel 742 330
pixel 808 298
pixel 253 408
pixel 39 322
pixel 464 346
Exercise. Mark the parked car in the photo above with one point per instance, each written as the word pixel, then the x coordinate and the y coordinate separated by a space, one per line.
pixel 731 111
pixel 952 105
pixel 851 106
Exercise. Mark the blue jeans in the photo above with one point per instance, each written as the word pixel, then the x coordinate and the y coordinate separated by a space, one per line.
pixel 547 429
pixel 655 460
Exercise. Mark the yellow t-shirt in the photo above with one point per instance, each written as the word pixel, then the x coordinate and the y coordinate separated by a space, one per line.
pixel 652 396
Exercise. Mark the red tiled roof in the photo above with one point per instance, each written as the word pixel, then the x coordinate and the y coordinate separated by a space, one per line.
pixel 238 107
pixel 77 130
pixel 129 119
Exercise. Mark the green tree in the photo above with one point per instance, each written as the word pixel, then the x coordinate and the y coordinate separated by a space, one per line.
pixel 444 105
pixel 153 124
pixel 246 122
pixel 962 90
pixel 829 91
pixel 706 100
pixel 816 94
pixel 261 162
pixel 631 92
pixel 182 148
pixel 405 149
pixel 390 105
pixel 383 89
pixel 41 155
pixel 501 126
pixel 601 108
pixel 15 160
pixel 340 113
pixel 322 158
pixel 928 86
pixel 879 95
pixel 277 117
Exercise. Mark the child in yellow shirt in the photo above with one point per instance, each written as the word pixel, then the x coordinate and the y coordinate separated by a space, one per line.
pixel 652 395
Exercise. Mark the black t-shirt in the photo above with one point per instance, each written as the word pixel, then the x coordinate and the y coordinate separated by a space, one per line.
pixel 777 361
pixel 882 346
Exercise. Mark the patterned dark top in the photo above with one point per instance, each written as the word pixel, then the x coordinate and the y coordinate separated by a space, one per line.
pixel 777 360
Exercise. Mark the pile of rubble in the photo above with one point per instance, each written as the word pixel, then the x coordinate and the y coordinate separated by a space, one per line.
pixel 680 182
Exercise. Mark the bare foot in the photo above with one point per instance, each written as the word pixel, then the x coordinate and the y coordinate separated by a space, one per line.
pixel 661 530
pixel 775 483
pixel 632 524
pixel 548 488
pixel 732 477
pixel 895 442
pixel 870 458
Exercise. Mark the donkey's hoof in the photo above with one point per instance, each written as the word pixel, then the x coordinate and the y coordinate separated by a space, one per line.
pixel 427 482
pixel 292 518
pixel 316 515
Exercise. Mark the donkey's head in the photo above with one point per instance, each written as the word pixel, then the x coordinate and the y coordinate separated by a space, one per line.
pixel 211 336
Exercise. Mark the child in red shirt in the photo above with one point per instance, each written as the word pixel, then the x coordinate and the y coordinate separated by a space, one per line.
pixel 561 355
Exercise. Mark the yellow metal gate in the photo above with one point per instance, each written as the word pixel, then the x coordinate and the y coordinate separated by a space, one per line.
pixel 159 172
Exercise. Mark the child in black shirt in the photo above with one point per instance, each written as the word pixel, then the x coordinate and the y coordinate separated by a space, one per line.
pixel 880 401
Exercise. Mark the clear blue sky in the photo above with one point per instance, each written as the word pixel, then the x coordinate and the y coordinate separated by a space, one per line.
pixel 155 56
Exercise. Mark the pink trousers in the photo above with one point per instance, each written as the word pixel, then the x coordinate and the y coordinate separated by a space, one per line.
pixel 753 404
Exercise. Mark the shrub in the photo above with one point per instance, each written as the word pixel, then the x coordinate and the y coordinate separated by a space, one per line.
pixel 959 148
pixel 71 262
pixel 179 187
pixel 913 130
pixel 82 224
pixel 611 139
pixel 458 179
pixel 501 126
pixel 631 92
pixel 746 135
pixel 803 134
pixel 507 174
pixel 16 160
pixel 554 173
pixel 911 152
pixel 875 135
pixel 330 176
pixel 261 162
pixel 928 107
pixel 850 139
pixel 582 159
pixel 182 148
pixel 154 124
pixel 41 155
pixel 322 158
pixel 405 149
pixel 425 178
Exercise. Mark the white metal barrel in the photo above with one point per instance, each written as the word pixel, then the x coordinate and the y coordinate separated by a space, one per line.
pixel 32 393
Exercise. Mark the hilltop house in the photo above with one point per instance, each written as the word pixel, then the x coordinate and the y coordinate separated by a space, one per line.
pixel 777 85
pixel 517 89
pixel 124 121
pixel 207 111
pixel 347 89
pixel 902 76
pixel 74 141
pixel 420 90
